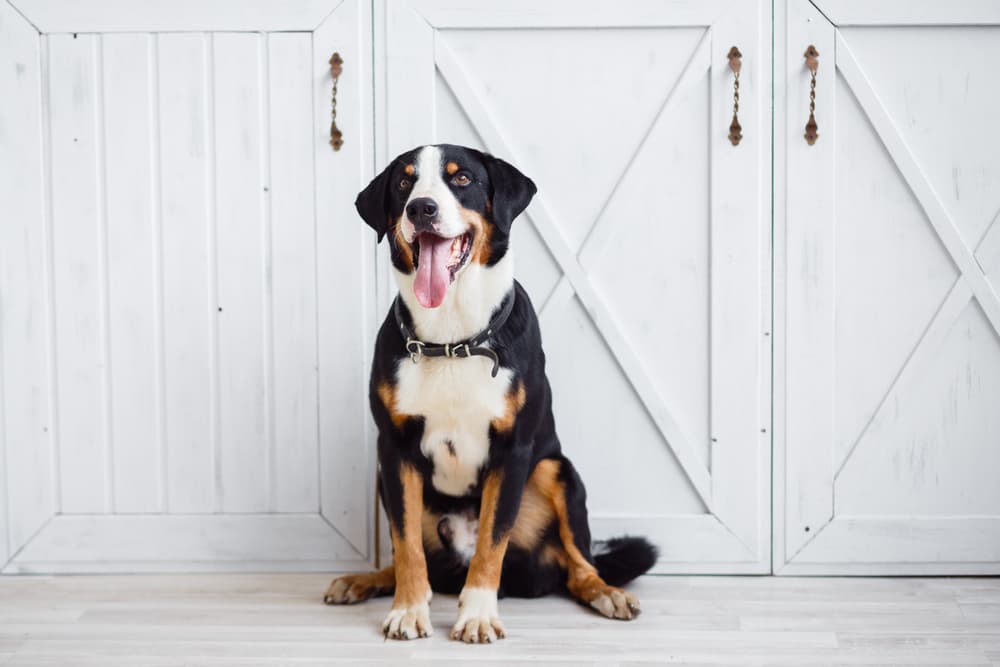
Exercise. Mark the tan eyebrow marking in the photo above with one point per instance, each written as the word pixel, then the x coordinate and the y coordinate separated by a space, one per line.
pixel 409 170
pixel 451 168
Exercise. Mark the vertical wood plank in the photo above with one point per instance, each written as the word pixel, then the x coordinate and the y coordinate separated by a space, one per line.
pixel 739 449
pixel 27 499
pixel 384 283
pixel 409 47
pixel 779 223
pixel 188 304
pixel 242 275
pixel 133 261
pixel 810 286
pixel 346 433
pixel 77 173
pixel 290 192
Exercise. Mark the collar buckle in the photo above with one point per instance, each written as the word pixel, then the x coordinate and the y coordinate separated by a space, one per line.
pixel 415 348
pixel 453 351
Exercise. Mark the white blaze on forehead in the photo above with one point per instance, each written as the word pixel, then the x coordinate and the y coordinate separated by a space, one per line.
pixel 431 184
pixel 429 181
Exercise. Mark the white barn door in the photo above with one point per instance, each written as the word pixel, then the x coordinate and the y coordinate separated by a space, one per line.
pixel 888 379
pixel 646 250
pixel 185 286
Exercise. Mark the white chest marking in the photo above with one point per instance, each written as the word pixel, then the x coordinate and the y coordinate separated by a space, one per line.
pixel 457 399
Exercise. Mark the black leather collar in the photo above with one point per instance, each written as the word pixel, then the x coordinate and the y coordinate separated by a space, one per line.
pixel 471 347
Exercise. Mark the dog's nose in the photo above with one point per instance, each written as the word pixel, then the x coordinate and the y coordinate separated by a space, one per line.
pixel 422 211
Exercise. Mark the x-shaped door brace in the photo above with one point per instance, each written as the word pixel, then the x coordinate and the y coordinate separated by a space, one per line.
pixel 574 278
pixel 972 280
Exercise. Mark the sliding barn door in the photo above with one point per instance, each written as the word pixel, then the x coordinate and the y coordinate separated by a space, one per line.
pixel 891 367
pixel 646 250
pixel 185 286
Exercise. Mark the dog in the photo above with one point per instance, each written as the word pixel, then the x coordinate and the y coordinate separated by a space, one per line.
pixel 480 498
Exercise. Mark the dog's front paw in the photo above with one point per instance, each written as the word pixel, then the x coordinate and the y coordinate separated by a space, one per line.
pixel 478 620
pixel 408 622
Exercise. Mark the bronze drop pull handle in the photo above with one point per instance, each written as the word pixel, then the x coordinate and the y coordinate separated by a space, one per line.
pixel 336 68
pixel 735 64
pixel 812 62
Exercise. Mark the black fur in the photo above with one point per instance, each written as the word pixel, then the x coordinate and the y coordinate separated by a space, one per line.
pixel 625 558
pixel 499 193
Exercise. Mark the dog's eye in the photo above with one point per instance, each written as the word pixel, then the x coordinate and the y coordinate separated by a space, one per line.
pixel 461 179
pixel 404 183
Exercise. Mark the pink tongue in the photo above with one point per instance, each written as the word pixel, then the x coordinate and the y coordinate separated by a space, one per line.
pixel 433 277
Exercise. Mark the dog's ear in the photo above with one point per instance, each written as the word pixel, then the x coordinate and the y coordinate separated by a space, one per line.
pixel 512 191
pixel 373 203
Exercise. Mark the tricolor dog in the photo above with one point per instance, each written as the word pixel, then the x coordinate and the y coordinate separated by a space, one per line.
pixel 480 498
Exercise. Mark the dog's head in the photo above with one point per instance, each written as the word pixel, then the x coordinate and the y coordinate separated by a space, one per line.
pixel 443 207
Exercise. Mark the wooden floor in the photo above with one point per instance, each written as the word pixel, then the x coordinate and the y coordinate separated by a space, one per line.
pixel 279 620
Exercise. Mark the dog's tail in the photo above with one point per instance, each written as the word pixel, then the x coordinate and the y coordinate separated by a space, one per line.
pixel 622 559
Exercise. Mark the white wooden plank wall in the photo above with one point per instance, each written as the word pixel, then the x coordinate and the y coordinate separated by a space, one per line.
pixel 25 429
pixel 184 325
pixel 345 275
pixel 292 204
pixel 188 244
pixel 78 241
pixel 242 224
pixel 134 293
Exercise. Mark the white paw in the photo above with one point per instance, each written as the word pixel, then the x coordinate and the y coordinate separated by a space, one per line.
pixel 408 622
pixel 478 620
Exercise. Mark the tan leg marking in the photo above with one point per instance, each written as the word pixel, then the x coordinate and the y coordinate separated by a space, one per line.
pixel 484 570
pixel 429 524
pixel 410 614
pixel 553 555
pixel 387 394
pixel 582 579
pixel 353 588
pixel 478 621
pixel 514 402
pixel 534 516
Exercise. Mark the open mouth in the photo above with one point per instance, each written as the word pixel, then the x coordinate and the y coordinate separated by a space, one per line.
pixel 438 259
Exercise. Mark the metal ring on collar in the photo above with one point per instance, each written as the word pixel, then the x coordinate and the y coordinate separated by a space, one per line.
pixel 415 348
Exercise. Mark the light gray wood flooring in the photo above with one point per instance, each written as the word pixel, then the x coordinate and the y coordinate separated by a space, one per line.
pixel 280 620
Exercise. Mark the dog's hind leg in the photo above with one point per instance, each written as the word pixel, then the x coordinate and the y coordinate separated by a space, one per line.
pixel 352 588
pixel 558 481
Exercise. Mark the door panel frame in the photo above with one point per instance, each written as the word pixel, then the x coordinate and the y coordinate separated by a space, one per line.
pixel 808 537
pixel 574 279
pixel 50 16
pixel 25 439
pixel 35 536
pixel 733 538
pixel 842 13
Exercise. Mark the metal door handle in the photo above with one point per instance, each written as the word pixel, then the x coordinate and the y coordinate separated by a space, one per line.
pixel 336 68
pixel 735 64
pixel 812 62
